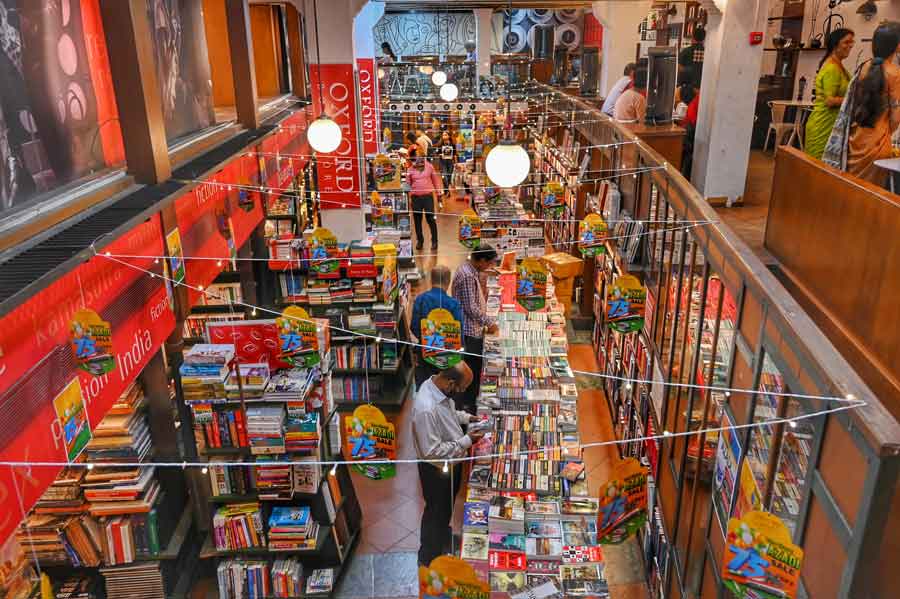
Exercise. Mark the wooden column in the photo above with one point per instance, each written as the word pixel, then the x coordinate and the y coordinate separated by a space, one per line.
pixel 240 39
pixel 133 66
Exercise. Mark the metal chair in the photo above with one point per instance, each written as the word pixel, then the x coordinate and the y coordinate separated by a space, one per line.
pixel 778 124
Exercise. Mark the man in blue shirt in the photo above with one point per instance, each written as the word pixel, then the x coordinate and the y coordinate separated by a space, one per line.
pixel 436 297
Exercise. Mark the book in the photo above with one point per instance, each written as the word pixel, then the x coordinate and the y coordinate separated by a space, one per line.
pixel 474 546
pixel 536 510
pixel 582 554
pixel 320 581
pixel 506 560
pixel 543 566
pixel 539 586
pixel 543 529
pixel 475 516
pixel 576 507
pixel 506 582
pixel 543 548
pixel 506 542
pixel 507 514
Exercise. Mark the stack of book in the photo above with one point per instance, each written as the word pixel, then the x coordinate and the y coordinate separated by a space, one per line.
pixel 273 477
pixel 320 581
pixel 355 389
pixel 123 435
pixel 64 495
pixel 117 491
pixel 287 578
pixel 219 427
pixel 292 528
pixel 291 384
pixel 205 370
pixel 77 587
pixel 254 378
pixel 355 356
pixel 341 291
pixel 318 292
pixel 265 429
pixel 364 290
pixel 57 540
pixel 302 432
pixel 238 526
pixel 361 323
pixel 240 579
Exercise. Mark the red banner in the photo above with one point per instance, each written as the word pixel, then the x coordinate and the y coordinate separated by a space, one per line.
pixel 593 32
pixel 254 340
pixel 338 171
pixel 37 361
pixel 368 104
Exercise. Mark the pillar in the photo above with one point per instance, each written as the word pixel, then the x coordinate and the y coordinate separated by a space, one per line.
pixel 338 173
pixel 367 76
pixel 483 34
pixel 731 70
pixel 240 40
pixel 620 21
pixel 133 65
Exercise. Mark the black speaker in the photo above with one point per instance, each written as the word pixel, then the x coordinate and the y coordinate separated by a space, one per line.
pixel 542 44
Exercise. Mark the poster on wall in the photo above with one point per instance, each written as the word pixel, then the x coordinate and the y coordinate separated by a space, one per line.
pixel 760 560
pixel 58 116
pixel 369 436
pixel 182 65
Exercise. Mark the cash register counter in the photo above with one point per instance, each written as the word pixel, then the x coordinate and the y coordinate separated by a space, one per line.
pixel 667 139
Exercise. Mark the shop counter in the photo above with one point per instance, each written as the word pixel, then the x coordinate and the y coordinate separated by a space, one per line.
pixel 666 139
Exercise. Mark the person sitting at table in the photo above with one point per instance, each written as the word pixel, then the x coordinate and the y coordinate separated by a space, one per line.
pixel 632 104
pixel 831 87
pixel 876 106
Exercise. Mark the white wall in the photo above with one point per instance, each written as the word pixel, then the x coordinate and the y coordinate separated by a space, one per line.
pixel 620 20
pixel 809 61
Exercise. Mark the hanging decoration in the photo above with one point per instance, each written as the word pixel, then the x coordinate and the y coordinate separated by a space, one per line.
pixel 387 173
pixel 470 229
pixel 390 280
pixel 382 210
pixel 323 253
pixel 298 337
pixel 625 303
pixel 449 577
pixel 552 200
pixel 760 560
pixel 623 503
pixel 531 284
pixel 72 420
pixel 92 343
pixel 176 255
pixel 592 233
pixel 442 336
pixel 370 436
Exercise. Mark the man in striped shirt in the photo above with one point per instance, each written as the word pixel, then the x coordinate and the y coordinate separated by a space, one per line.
pixel 466 289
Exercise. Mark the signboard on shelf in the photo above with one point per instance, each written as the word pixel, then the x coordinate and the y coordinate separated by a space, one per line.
pixel 72 419
pixel 553 200
pixel 759 560
pixel 390 280
pixel 298 340
pixel 442 336
pixel 338 171
pixel 531 284
pixel 254 340
pixel 449 577
pixel 368 435
pixel 623 503
pixel 470 229
pixel 387 173
pixel 625 302
pixel 322 252
pixel 592 233
pixel 176 256
pixel 368 104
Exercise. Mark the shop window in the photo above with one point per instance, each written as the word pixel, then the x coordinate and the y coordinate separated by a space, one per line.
pixel 269 51
pixel 182 66
pixel 59 124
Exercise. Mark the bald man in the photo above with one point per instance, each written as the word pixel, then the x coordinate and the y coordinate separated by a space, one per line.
pixel 438 436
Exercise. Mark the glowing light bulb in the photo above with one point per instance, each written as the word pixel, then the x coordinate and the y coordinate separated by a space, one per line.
pixel 446 467
pixel 324 135
pixel 507 164
pixel 439 77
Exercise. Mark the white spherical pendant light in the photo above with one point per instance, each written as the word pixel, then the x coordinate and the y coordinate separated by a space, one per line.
pixel 324 135
pixel 439 77
pixel 507 164
pixel 448 92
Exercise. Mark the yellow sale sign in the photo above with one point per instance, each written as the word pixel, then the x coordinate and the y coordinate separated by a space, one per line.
pixel 442 339
pixel 298 337
pixel 760 560
pixel 368 435
pixel 449 577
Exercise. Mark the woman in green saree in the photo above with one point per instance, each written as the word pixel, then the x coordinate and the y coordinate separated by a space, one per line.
pixel 831 86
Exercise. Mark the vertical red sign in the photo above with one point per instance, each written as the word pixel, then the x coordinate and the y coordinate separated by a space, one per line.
pixel 593 32
pixel 368 103
pixel 338 171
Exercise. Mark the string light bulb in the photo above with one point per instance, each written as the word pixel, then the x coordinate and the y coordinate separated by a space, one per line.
pixel 446 467
pixel 90 466
pixel 449 92
pixel 333 470
pixel 204 470
pixel 324 135
pixel 507 164
pixel 792 423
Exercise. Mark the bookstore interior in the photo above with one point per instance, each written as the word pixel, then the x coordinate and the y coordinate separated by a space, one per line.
pixel 209 386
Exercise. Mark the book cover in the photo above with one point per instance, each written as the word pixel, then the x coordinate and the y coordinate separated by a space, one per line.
pixel 506 582
pixel 506 560
pixel 543 529
pixel 475 515
pixel 506 542
pixel 474 546
pixel 543 547
pixel 582 554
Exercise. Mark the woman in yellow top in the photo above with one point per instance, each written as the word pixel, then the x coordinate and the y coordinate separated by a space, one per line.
pixel 876 106
pixel 831 87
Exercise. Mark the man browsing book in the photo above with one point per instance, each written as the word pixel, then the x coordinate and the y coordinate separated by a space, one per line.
pixel 438 436
pixel 467 290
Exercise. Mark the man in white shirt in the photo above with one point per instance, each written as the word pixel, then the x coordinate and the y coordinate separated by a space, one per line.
pixel 438 436
pixel 424 143
pixel 620 86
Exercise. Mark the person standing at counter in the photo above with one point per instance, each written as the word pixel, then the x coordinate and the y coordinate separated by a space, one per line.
pixel 832 81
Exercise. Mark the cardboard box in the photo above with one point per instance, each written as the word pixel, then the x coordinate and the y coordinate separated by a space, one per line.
pixel 562 265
